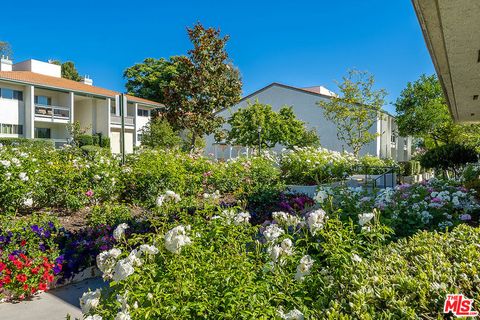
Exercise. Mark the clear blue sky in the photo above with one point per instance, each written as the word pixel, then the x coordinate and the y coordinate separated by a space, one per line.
pixel 299 43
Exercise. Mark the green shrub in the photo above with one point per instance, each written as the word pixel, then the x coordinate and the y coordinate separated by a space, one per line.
pixel 96 140
pixel 406 280
pixel 46 143
pixel 85 140
pixel 92 151
pixel 449 157
pixel 110 215
pixel 104 142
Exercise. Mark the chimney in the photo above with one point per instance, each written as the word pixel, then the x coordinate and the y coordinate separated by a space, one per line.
pixel 87 80
pixel 5 64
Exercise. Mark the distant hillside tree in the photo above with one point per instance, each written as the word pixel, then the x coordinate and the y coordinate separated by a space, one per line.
pixel 356 110
pixel 6 49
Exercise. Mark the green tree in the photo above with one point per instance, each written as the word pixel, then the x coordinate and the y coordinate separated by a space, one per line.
pixel 158 133
pixel 69 71
pixel 275 127
pixel 5 49
pixel 423 112
pixel 192 87
pixel 356 110
pixel 150 79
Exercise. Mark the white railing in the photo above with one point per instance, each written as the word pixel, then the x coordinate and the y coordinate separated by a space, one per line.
pixel 129 121
pixel 52 112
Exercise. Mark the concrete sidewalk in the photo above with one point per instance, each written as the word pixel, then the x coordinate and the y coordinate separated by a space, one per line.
pixel 51 305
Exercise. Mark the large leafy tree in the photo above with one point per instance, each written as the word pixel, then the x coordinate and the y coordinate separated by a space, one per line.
pixel 275 127
pixel 356 110
pixel 422 112
pixel 192 87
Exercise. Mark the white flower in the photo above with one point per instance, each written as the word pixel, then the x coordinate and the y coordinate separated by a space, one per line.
pixel 285 219
pixel 272 232
pixel 176 238
pixel 15 161
pixel 364 218
pixel 122 315
pixel 94 317
pixel 279 251
pixel 23 176
pixel 106 261
pixel 8 175
pixel 241 218
pixel 149 296
pixel 28 202
pixel 291 315
pixel 321 196
pixel 148 249
pixel 119 231
pixel 122 299
pixel 356 258
pixel 160 200
pixel 97 177
pixel 123 269
pixel 170 195
pixel 90 300
pixel 303 269
pixel 134 257
pixel 316 220
pixel 5 163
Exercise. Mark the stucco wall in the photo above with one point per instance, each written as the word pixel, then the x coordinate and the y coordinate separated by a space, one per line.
pixel 306 110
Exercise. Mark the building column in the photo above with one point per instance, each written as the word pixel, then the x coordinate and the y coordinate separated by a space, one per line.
pixel 109 118
pixel 135 125
pixel 30 112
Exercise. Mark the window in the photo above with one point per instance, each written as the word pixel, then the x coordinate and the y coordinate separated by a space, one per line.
pixel 393 138
pixel 11 128
pixel 43 100
pixel 11 94
pixel 42 133
pixel 139 137
pixel 143 113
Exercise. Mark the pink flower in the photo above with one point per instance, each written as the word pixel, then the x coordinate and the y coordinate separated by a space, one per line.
pixel 89 193
pixel 436 200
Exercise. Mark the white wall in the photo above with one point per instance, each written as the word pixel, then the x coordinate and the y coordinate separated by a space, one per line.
pixel 306 109
pixel 84 114
pixel 41 67
pixel 12 111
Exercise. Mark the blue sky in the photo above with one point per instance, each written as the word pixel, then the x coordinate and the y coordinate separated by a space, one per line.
pixel 301 43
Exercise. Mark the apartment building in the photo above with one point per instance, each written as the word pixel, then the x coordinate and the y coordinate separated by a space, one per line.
pixel 388 143
pixel 36 102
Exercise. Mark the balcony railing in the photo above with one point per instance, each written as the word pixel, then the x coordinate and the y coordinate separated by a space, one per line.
pixel 129 121
pixel 52 112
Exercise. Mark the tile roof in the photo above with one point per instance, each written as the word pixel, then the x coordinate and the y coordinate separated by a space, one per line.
pixel 28 77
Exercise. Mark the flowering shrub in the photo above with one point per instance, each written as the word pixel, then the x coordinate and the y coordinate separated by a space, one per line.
pixel 44 177
pixel 432 205
pixel 29 256
pixel 310 166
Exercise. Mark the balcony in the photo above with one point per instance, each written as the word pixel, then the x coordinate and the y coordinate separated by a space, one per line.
pixel 117 120
pixel 52 113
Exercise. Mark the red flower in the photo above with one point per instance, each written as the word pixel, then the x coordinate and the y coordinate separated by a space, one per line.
pixel 42 286
pixel 18 264
pixel 25 287
pixel 33 290
pixel 7 280
pixel 23 243
pixel 2 266
pixel 48 277
pixel 24 257
pixel 35 270
pixel 21 277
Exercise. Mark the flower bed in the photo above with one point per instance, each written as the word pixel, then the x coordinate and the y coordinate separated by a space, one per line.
pixel 29 256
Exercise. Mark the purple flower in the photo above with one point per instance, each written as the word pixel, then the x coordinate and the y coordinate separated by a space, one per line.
pixel 465 217
pixel 436 200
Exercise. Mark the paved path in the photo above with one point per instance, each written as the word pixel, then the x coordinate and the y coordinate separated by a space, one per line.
pixel 51 305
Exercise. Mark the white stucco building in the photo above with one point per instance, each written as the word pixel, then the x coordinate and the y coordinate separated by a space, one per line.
pixel 304 102
pixel 36 102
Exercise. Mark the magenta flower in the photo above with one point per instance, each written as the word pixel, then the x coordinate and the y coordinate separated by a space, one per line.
pixel 436 200
pixel 89 193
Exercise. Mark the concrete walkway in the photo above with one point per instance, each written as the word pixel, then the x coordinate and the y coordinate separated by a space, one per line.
pixel 51 305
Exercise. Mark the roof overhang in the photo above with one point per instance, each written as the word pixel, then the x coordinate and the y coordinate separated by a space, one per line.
pixel 451 30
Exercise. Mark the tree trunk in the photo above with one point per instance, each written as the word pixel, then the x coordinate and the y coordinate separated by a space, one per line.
pixel 192 142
